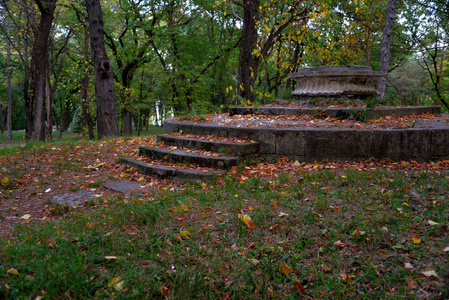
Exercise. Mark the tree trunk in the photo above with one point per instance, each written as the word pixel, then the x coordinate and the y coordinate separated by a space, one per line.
pixel 247 45
pixel 8 72
pixel 40 65
pixel 104 85
pixel 85 90
pixel 385 50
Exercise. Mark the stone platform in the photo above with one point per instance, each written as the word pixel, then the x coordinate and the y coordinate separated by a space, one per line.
pixel 308 139
pixel 335 112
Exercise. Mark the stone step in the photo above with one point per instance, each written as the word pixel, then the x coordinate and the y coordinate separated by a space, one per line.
pixel 171 171
pixel 182 156
pixel 239 149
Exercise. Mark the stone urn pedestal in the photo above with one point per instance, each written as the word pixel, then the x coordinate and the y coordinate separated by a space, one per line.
pixel 324 86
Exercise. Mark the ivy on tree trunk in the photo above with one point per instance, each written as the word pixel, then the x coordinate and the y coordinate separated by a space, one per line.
pixel 104 84
pixel 248 43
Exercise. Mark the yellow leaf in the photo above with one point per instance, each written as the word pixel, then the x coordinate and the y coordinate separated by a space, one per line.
pixel 13 271
pixel 116 283
pixel 5 181
pixel 285 269
pixel 185 233
pixel 416 240
pixel 247 220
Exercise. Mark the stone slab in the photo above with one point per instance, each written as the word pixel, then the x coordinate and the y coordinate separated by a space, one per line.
pixel 125 187
pixel 75 199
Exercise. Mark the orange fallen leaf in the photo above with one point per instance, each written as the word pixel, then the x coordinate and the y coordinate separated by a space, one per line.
pixel 285 269
pixel 299 287
pixel 416 240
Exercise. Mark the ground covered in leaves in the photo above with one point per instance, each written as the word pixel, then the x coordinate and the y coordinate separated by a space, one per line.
pixel 285 229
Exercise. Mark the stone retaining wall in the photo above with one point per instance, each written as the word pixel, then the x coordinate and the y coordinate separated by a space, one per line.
pixel 310 144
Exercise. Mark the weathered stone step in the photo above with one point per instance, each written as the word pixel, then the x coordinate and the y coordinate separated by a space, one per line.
pixel 240 149
pixel 182 156
pixel 171 172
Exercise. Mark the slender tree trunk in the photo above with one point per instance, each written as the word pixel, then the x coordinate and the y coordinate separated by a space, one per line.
pixel 104 84
pixel 248 43
pixel 85 90
pixel 8 71
pixel 40 65
pixel 385 50
pixel 419 86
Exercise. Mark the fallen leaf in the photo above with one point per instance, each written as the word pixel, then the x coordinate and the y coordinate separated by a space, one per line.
pixel 234 246
pixel 408 266
pixel 446 249
pixel 357 232
pixel 432 223
pixel 282 214
pixel 5 181
pixel 116 283
pixel 299 287
pixel 339 244
pixel 181 217
pixel 165 291
pixel 13 271
pixel 285 269
pixel 431 274
pixel 297 163
pixel 185 233
pixel 26 217
pixel 247 220
pixel 110 257
pixel 416 240
pixel 254 261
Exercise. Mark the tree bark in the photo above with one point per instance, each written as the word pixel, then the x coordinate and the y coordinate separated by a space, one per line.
pixel 248 43
pixel 104 84
pixel 39 62
pixel 385 50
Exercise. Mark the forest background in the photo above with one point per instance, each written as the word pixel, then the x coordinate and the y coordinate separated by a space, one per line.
pixel 180 57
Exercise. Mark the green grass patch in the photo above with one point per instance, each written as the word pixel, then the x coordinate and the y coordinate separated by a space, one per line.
pixel 341 234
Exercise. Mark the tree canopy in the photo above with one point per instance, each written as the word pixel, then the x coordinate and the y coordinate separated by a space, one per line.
pixel 194 56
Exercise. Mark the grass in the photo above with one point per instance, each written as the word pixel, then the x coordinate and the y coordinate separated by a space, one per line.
pixel 340 233
pixel 8 147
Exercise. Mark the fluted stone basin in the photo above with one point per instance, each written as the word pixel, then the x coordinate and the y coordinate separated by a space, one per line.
pixel 345 82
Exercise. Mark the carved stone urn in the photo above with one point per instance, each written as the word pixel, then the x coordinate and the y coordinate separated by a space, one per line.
pixel 335 82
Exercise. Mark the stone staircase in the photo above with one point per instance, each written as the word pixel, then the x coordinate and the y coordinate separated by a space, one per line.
pixel 191 158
